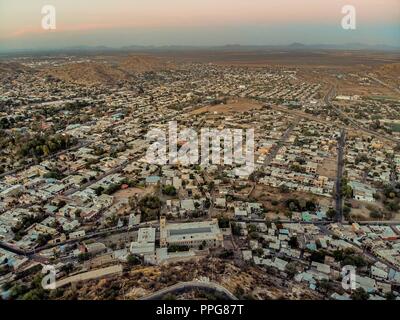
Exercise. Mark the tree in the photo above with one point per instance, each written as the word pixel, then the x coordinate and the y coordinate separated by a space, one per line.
pixel 346 211
pixel 325 285
pixel 150 208
pixel 99 191
pixel 18 290
pixel 293 242
pixel 331 213
pixel 112 221
pixel 84 256
pixel 236 230
pixel 169 190
pixel 354 260
pixel 239 291
pixel 254 236
pixel 258 252
pixel 177 248
pixel 54 174
pixel 226 254
pixel 376 214
pixel 359 294
pixel 223 222
pixel 203 245
pixel 293 204
pixel 347 190
pixel 392 206
pixel 67 268
pixel 318 256
pixel 289 214
pixel 310 205
pixel 291 269
pixel 35 294
pixel 4 269
pixel 133 260
pixel 113 188
pixel 390 296
pixel 43 239
pixel 46 150
pixel 284 189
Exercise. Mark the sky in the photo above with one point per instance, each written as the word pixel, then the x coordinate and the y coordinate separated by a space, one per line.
pixel 119 23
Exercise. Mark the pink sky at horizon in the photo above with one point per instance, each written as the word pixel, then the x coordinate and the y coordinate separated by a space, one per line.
pixel 17 20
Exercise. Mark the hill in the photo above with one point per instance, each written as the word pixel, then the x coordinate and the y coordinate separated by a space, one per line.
pixel 9 68
pixel 107 70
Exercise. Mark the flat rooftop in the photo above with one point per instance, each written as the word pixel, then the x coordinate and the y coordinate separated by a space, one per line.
pixel 146 235
pixel 204 230
pixel 177 232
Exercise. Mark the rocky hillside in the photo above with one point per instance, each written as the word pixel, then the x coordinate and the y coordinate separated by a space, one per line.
pixel 106 70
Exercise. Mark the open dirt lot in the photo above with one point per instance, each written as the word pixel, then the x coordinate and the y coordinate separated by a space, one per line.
pixel 232 106
pixel 131 192
pixel 268 195
pixel 328 168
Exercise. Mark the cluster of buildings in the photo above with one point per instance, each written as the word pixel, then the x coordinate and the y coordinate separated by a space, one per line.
pixel 50 206
pixel 304 159
pixel 314 254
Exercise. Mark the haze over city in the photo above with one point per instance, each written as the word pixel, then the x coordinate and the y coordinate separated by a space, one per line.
pixel 193 22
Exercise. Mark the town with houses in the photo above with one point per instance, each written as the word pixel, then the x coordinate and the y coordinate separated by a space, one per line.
pixel 78 195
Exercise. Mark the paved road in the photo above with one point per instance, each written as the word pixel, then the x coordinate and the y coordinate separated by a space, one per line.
pixel 93 274
pixel 11 248
pixel 384 83
pixel 97 179
pixel 331 94
pixel 250 220
pixel 34 253
pixel 383 223
pixel 275 149
pixel 339 177
pixel 30 255
pixel 369 255
pixel 340 160
pixel 393 174
pixel 185 286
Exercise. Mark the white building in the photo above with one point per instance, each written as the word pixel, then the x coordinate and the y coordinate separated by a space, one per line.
pixel 191 234
pixel 145 244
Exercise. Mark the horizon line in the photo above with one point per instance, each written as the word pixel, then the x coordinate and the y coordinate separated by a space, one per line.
pixel 292 45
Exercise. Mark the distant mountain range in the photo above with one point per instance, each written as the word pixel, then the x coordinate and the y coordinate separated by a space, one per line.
pixel 296 46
